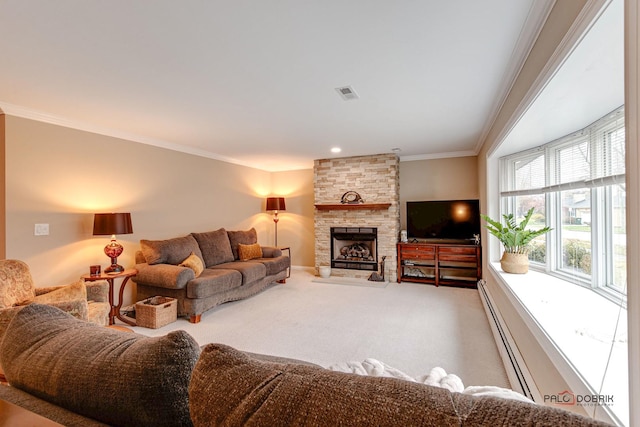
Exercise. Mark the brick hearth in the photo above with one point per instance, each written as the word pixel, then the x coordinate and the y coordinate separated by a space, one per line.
pixel 376 179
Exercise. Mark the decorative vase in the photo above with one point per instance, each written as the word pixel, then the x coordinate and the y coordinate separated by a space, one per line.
pixel 324 271
pixel 514 263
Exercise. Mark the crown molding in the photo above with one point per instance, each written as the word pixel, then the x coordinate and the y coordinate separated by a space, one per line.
pixel 468 153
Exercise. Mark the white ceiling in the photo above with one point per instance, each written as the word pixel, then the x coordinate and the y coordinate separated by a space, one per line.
pixel 587 86
pixel 253 82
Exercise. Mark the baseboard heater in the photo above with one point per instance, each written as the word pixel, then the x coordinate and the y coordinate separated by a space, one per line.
pixel 517 372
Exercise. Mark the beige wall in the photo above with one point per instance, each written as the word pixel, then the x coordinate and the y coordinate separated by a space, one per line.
pixel 61 177
pixel 438 179
pixel 295 228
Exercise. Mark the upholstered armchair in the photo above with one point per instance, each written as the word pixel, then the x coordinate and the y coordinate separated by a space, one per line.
pixel 87 301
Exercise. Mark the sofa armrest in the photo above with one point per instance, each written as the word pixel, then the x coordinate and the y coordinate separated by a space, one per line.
pixel 271 252
pixel 97 291
pixel 76 308
pixel 163 275
pixel 46 290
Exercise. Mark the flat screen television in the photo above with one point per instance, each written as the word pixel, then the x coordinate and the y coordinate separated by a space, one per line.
pixel 443 219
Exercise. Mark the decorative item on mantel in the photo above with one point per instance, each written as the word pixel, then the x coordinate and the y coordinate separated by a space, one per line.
pixel 351 197
pixel 515 238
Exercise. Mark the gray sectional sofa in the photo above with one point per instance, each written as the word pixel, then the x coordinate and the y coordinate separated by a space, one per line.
pixel 203 270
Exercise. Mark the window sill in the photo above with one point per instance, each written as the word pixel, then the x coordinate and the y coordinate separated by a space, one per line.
pixel 577 326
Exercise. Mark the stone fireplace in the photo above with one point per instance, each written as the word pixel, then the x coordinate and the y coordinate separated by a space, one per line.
pixel 376 179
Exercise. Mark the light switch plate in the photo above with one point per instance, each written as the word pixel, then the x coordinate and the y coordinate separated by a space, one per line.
pixel 41 230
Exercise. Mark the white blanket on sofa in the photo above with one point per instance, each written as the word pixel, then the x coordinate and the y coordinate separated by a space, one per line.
pixel 437 377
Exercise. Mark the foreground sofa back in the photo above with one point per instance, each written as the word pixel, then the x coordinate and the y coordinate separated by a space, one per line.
pixel 230 388
pixel 203 270
pixel 125 379
pixel 114 377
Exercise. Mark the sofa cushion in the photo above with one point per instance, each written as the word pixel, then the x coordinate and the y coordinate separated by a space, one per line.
pixel 170 251
pixel 495 411
pixel 98 313
pixel 73 292
pixel 247 252
pixel 248 237
pixel 274 265
pixel 229 387
pixel 251 271
pixel 215 247
pixel 116 377
pixel 97 291
pixel 213 281
pixel 193 262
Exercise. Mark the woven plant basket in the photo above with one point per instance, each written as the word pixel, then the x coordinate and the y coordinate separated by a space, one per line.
pixel 514 263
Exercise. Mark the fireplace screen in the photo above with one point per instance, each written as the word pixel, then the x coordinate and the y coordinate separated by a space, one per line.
pixel 354 248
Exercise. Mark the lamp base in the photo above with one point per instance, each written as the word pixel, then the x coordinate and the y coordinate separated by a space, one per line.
pixel 114 268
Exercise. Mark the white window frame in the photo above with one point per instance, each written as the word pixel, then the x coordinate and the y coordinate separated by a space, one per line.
pixel 601 202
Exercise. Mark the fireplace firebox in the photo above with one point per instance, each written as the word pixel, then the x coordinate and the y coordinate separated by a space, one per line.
pixel 354 248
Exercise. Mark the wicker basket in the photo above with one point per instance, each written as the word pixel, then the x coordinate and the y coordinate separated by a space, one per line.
pixel 155 312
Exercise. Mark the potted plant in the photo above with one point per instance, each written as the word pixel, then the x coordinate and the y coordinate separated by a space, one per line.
pixel 515 238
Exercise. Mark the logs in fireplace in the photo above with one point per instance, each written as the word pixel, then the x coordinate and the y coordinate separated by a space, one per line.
pixel 354 248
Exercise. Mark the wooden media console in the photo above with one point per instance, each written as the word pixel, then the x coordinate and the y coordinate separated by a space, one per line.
pixel 439 263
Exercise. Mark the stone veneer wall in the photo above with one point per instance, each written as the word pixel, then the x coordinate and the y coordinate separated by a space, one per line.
pixel 377 180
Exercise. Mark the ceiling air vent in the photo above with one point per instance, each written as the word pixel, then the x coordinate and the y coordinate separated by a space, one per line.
pixel 347 93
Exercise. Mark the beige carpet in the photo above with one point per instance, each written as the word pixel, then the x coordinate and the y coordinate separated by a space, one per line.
pixel 411 327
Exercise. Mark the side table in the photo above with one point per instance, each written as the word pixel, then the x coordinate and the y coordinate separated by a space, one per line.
pixel 115 309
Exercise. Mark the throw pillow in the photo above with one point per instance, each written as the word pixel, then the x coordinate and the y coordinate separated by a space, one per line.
pixel 194 262
pixel 115 377
pixel 248 237
pixel 170 251
pixel 247 252
pixel 229 387
pixel 215 247
pixel 74 292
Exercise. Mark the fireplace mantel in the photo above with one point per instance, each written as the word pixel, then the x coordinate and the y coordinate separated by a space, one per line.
pixel 351 206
